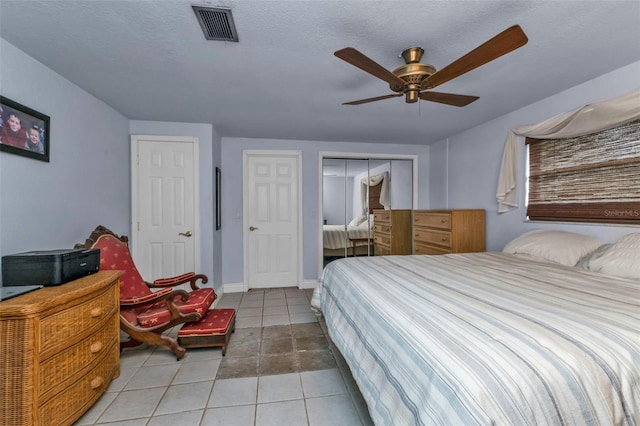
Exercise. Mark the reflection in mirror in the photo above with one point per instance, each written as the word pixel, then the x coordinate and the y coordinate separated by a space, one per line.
pixel 351 189
pixel 342 211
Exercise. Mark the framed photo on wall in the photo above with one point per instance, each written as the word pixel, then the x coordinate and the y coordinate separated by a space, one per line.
pixel 23 131
pixel 218 199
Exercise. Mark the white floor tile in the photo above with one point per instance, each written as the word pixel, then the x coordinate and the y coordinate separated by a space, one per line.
pixel 92 415
pixel 230 392
pixel 197 371
pixel 300 309
pixel 276 310
pixel 281 387
pixel 134 357
pixel 152 376
pixel 249 322
pixel 201 354
pixel 133 404
pixel 322 383
pixel 332 410
pixel 249 312
pixel 189 418
pixel 268 320
pixel 276 301
pixel 299 300
pixel 303 318
pixel 251 303
pixel 161 355
pixel 134 422
pixel 126 373
pixel 241 415
pixel 187 397
pixel 290 413
pixel 226 303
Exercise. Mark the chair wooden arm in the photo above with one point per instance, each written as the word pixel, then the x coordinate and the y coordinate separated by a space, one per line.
pixel 169 298
pixel 148 299
pixel 189 277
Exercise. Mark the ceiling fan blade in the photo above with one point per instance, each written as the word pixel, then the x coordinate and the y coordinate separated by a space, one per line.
pixel 505 42
pixel 448 98
pixel 357 59
pixel 378 98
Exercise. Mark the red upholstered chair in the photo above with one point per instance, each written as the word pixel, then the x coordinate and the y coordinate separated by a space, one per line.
pixel 145 314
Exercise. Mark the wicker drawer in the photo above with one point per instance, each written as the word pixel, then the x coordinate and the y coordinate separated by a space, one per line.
pixel 57 329
pixel 432 220
pixel 381 216
pixel 428 236
pixel 77 359
pixel 381 228
pixel 381 239
pixel 382 250
pixel 82 393
pixel 425 249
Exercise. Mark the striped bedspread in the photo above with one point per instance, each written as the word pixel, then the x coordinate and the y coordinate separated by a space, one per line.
pixel 336 237
pixel 485 338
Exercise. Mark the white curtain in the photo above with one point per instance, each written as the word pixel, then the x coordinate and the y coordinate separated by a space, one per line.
pixel 384 191
pixel 590 118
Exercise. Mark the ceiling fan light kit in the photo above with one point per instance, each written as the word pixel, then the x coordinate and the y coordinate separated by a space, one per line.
pixel 415 79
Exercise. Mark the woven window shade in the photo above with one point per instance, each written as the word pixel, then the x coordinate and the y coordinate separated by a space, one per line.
pixel 591 178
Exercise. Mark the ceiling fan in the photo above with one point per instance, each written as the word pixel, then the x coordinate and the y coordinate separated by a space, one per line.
pixel 414 79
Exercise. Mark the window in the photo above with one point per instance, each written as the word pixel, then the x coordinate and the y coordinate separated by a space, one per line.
pixel 591 178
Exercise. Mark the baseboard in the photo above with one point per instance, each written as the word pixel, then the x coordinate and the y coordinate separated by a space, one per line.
pixel 239 287
pixel 233 288
pixel 309 284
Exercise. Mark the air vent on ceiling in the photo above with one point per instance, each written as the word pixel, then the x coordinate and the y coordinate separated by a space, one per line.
pixel 216 22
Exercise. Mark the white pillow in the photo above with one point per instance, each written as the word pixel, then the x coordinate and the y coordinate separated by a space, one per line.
pixel 357 220
pixel 562 247
pixel 621 259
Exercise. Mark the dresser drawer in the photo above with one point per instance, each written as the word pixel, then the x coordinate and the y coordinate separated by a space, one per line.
pixel 381 216
pixel 382 250
pixel 381 228
pixel 64 325
pixel 77 359
pixel 81 394
pixel 382 239
pixel 432 220
pixel 428 236
pixel 425 249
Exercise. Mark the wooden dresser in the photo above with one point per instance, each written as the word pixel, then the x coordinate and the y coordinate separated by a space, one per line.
pixel 59 349
pixel 392 232
pixel 448 231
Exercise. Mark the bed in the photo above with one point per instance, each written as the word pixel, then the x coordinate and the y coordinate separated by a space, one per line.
pixel 338 238
pixel 486 338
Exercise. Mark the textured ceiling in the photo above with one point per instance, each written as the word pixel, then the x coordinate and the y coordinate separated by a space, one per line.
pixel 150 61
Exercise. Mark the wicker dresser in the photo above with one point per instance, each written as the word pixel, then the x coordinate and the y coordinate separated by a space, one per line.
pixel 392 232
pixel 59 349
pixel 448 231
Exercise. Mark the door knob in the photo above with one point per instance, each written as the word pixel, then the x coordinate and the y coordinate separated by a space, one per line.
pixel 186 234
pixel 252 228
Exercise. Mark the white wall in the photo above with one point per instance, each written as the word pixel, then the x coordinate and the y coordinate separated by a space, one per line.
pixel 86 183
pixel 209 144
pixel 334 188
pixel 464 168
pixel 232 232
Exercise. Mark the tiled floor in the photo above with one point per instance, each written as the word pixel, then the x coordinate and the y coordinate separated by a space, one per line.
pixel 280 369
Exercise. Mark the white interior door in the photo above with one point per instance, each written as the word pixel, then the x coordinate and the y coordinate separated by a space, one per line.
pixel 272 218
pixel 165 205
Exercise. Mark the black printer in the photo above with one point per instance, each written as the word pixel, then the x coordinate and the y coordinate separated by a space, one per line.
pixel 49 267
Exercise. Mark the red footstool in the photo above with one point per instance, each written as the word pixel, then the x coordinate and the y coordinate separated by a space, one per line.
pixel 212 330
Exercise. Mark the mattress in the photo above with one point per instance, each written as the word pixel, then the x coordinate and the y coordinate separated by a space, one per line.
pixel 485 338
pixel 337 236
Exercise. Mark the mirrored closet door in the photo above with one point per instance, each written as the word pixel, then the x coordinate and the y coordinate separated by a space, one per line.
pixel 351 189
